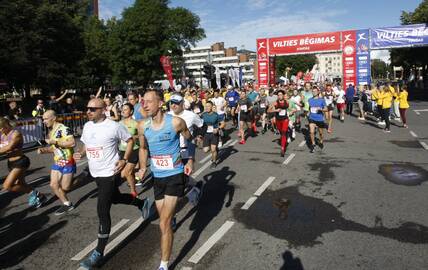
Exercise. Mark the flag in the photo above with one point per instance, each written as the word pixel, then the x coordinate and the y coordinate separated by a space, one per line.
pixel 167 68
pixel 218 77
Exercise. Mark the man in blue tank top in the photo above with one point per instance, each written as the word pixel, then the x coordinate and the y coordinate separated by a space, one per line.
pixel 160 139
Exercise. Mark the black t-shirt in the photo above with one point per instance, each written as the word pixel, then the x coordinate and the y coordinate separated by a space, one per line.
pixel 68 108
pixel 244 105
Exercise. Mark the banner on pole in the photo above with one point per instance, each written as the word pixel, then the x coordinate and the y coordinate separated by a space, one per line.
pixel 363 58
pixel 262 62
pixel 399 36
pixel 349 57
pixel 167 68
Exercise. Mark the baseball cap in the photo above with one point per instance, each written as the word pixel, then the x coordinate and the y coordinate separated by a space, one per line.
pixel 176 99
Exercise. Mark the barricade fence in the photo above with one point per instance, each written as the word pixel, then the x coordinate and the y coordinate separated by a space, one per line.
pixel 34 131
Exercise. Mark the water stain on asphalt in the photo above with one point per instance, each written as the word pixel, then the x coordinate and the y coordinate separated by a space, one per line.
pixel 403 174
pixel 325 170
pixel 308 218
pixel 407 144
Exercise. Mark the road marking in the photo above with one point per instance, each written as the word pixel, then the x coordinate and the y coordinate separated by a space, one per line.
pixel 79 256
pixel 264 186
pixel 211 242
pixel 418 113
pixel 186 268
pixel 413 134
pixel 290 157
pixel 201 169
pixel 123 235
pixel 302 143
pixel 248 204
pixel 81 163
pixel 424 145
pixel 209 156
pixel 233 143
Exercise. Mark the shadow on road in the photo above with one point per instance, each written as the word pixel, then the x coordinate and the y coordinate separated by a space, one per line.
pixel 290 262
pixel 216 191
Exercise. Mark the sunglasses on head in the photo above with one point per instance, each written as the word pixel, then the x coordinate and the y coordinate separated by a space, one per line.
pixel 92 109
pixel 175 102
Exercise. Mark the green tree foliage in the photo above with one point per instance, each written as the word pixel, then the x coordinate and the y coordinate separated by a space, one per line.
pixel 410 57
pixel 295 62
pixel 148 30
pixel 379 69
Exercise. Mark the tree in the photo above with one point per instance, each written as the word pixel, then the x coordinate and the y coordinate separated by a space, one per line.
pixel 379 69
pixel 296 62
pixel 148 30
pixel 409 58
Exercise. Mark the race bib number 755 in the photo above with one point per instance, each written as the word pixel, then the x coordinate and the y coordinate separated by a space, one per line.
pixel 95 153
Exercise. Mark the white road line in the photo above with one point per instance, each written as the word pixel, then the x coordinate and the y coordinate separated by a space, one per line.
pixel 290 157
pixel 418 113
pixel 123 235
pixel 233 143
pixel 302 143
pixel 413 134
pixel 424 145
pixel 79 256
pixel 248 204
pixel 201 169
pixel 81 163
pixel 205 159
pixel 186 268
pixel 264 186
pixel 211 242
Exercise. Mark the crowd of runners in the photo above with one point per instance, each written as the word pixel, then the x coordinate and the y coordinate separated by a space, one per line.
pixel 154 134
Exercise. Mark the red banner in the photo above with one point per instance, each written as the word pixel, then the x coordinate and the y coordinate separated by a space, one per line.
pixel 349 58
pixel 272 71
pixel 167 68
pixel 262 62
pixel 310 43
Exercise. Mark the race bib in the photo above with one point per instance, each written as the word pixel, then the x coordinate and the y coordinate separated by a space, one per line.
pixel 262 105
pixel 3 144
pixel 231 99
pixel 210 129
pixel 314 109
pixel 95 153
pixel 244 108
pixel 163 162
pixel 197 110
pixel 282 112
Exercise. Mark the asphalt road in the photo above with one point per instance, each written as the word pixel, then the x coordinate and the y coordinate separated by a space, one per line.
pixel 360 203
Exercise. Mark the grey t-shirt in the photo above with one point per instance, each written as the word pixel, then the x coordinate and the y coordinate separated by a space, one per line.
pixel 271 99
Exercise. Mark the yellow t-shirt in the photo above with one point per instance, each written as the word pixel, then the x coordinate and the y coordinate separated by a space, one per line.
pixel 402 98
pixel 386 100
pixel 62 156
pixel 376 96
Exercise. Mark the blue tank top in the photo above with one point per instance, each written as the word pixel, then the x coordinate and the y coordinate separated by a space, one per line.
pixel 164 149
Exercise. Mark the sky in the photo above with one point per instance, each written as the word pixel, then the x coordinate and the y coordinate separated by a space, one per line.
pixel 238 23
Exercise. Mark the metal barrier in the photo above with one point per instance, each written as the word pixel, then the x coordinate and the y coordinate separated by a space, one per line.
pixel 34 131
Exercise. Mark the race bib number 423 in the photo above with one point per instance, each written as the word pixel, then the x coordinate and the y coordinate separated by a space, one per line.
pixel 163 162
pixel 95 153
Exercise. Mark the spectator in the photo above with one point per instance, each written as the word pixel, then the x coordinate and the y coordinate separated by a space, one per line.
pixel 39 110
pixel 53 102
pixel 69 107
pixel 350 93
pixel 15 112
pixel 138 111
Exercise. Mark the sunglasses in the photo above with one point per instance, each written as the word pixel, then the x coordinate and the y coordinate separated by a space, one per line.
pixel 175 102
pixel 93 109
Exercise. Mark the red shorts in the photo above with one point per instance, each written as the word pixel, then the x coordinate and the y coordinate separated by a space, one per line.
pixel 341 106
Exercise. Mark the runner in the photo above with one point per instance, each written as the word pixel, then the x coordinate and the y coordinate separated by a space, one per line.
pixel 232 97
pixel 263 108
pixel 296 99
pixel 244 107
pixel 329 97
pixel 340 102
pixel 188 147
pixel 317 107
pixel 212 123
pixel 61 142
pixel 254 97
pixel 101 137
pixel 131 125
pixel 11 142
pixel 306 95
pixel 159 136
pixel 271 99
pixel 220 104
pixel 281 118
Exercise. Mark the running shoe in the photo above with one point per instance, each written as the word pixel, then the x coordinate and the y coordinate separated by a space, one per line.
pixel 329 130
pixel 145 209
pixel 387 130
pixel 220 144
pixel 63 209
pixel 312 148
pixel 282 153
pixel 40 200
pixel 321 145
pixel 213 165
pixel 174 223
pixel 92 261
pixel 32 198
pixel 242 142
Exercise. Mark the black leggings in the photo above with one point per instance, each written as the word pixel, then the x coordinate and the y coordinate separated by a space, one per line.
pixel 385 116
pixel 349 107
pixel 108 194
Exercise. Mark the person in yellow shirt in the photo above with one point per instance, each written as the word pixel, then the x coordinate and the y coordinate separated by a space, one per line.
pixel 375 95
pixel 403 104
pixel 386 96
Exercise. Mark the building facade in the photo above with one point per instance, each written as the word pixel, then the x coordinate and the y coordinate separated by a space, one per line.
pixel 330 65
pixel 220 57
